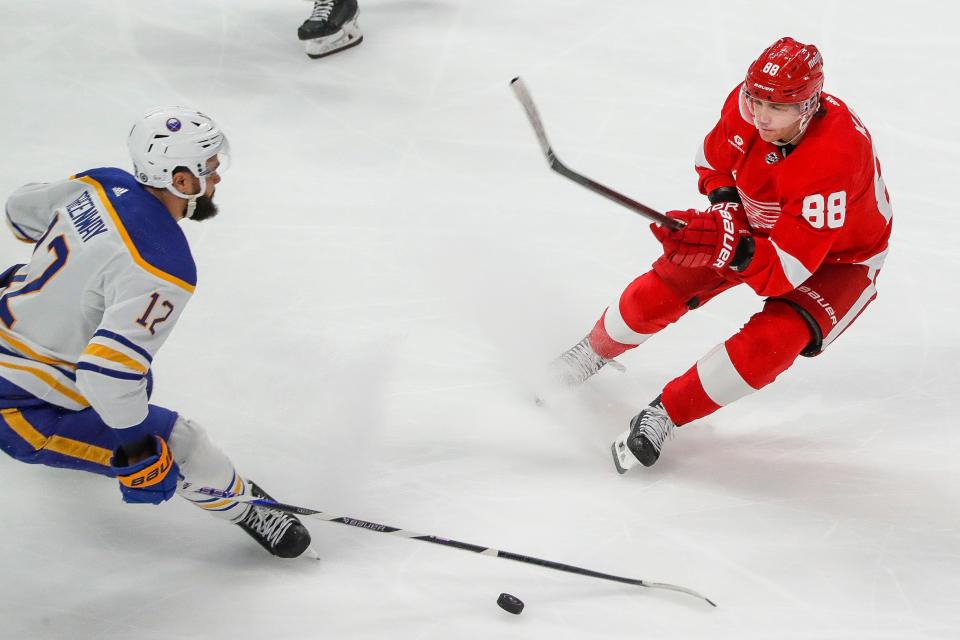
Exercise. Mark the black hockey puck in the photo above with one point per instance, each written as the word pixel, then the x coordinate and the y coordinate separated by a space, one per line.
pixel 510 603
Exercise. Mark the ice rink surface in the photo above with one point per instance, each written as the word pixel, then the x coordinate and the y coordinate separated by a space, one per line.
pixel 394 264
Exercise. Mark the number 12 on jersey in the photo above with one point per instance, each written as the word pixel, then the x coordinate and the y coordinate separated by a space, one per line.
pixel 60 250
pixel 158 317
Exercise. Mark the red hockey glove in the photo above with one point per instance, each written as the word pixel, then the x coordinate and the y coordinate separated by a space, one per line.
pixel 715 238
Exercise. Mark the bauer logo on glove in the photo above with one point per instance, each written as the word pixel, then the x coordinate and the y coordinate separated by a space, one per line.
pixel 708 238
pixel 152 474
pixel 728 241
pixel 152 480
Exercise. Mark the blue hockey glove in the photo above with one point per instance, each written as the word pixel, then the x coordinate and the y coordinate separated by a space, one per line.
pixel 152 480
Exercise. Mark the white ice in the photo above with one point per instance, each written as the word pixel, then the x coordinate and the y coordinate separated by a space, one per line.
pixel 393 263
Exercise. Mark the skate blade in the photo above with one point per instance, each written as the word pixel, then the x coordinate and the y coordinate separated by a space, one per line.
pixel 311 553
pixel 349 36
pixel 616 460
pixel 628 460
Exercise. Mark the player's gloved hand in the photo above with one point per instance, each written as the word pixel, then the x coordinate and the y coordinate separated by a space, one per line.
pixel 716 238
pixel 151 480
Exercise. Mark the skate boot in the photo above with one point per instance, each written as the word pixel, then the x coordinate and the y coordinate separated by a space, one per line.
pixel 641 443
pixel 578 363
pixel 330 28
pixel 280 533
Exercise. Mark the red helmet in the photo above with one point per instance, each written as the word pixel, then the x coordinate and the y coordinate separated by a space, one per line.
pixel 787 72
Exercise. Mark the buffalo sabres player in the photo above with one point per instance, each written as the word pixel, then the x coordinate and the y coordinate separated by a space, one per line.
pixel 81 322
pixel 799 213
pixel 331 27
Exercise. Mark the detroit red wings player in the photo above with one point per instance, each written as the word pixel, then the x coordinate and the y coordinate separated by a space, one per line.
pixel 799 212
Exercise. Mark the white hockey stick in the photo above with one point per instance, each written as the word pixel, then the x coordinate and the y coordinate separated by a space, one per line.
pixel 523 95
pixel 456 544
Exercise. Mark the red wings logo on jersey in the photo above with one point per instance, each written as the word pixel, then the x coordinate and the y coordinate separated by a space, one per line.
pixel 824 202
pixel 762 215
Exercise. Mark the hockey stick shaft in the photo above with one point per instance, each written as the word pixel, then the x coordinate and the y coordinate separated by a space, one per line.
pixel 523 95
pixel 456 544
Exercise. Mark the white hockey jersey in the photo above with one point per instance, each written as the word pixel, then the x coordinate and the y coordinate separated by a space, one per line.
pixel 110 275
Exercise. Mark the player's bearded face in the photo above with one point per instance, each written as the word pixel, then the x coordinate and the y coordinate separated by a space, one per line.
pixel 206 208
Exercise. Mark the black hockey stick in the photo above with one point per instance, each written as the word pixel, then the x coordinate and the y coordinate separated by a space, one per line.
pixel 456 544
pixel 523 95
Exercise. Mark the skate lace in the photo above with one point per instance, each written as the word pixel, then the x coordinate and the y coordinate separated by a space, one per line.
pixel 582 360
pixel 655 425
pixel 269 524
pixel 321 9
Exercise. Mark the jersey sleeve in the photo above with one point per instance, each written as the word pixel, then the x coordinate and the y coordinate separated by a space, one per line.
pixel 785 259
pixel 718 153
pixel 30 208
pixel 113 371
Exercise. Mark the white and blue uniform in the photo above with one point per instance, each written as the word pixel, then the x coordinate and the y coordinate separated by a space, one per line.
pixel 110 275
pixel 80 324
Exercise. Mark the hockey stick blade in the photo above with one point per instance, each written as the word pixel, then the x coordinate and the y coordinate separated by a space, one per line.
pixel 523 95
pixel 447 542
pixel 526 100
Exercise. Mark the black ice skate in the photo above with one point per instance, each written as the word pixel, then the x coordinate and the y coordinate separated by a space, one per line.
pixel 641 443
pixel 330 28
pixel 280 533
pixel 578 363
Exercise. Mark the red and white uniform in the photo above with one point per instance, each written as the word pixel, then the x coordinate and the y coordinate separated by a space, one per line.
pixel 824 203
pixel 820 216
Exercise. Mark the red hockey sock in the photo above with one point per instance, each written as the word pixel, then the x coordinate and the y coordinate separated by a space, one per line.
pixel 749 360
pixel 646 306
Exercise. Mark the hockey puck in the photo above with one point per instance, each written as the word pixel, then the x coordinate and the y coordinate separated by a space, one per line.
pixel 510 603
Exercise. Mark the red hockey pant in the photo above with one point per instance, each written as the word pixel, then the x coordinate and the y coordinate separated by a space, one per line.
pixel 804 320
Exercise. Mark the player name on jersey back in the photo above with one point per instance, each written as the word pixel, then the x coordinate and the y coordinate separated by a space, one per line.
pixel 86 217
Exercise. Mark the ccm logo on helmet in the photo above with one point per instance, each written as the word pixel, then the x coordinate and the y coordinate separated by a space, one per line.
pixel 726 248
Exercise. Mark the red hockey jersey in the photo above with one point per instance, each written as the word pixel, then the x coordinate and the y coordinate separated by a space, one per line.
pixel 824 202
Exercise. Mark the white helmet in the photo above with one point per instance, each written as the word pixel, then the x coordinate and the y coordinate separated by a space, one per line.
pixel 171 137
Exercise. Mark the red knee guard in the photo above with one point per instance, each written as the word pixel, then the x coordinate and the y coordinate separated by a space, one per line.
pixel 646 306
pixel 749 360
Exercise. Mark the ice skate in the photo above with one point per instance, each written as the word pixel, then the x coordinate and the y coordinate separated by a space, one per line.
pixel 330 28
pixel 641 443
pixel 280 533
pixel 578 363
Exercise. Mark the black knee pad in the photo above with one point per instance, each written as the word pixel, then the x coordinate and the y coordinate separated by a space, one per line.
pixel 816 333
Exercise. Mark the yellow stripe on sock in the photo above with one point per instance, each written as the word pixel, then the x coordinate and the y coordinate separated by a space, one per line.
pixel 237 488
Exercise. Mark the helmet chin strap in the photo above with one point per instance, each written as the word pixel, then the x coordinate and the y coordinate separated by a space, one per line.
pixel 784 143
pixel 191 199
pixel 804 121
pixel 781 142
